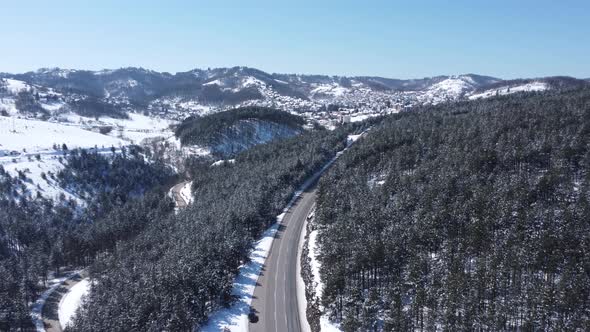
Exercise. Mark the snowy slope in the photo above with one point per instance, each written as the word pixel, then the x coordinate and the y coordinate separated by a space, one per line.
pixel 529 87
pixel 175 96
pixel 27 146
pixel 133 130
pixel 186 192
pixel 38 136
pixel 16 86
pixel 327 90
pixel 451 88
pixel 38 176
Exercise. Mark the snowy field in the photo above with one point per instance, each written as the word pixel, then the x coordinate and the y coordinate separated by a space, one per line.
pixel 30 136
pixel 133 130
pixel 28 145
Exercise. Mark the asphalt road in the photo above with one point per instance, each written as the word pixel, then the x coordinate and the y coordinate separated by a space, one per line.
pixel 178 199
pixel 49 311
pixel 275 295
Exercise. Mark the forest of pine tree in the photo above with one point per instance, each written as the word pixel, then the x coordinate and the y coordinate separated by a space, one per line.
pixel 39 236
pixel 181 267
pixel 468 216
pixel 207 130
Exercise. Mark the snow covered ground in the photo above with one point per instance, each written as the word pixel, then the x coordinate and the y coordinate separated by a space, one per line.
pixel 325 324
pixel 448 89
pixel 186 192
pixel 235 318
pixel 35 171
pixel 28 145
pixel 223 161
pixel 133 130
pixel 71 302
pixel 28 135
pixel 333 89
pixel 529 87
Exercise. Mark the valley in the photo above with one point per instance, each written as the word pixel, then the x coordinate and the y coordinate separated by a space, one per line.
pixel 130 174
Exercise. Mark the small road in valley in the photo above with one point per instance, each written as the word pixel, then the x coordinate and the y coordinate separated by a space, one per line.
pixel 177 196
pixel 275 295
pixel 46 309
pixel 275 301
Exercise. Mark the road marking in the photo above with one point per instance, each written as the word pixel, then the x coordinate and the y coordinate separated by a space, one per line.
pixel 283 223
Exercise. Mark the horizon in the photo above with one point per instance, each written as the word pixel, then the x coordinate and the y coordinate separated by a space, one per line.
pixel 394 40
pixel 286 73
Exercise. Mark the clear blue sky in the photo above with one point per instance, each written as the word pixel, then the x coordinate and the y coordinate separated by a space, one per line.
pixel 508 39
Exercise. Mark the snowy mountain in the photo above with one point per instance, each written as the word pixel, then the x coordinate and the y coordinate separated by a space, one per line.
pixel 116 98
pixel 201 91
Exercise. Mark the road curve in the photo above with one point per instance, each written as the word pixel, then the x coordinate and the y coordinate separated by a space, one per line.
pixel 275 295
pixel 45 310
pixel 177 196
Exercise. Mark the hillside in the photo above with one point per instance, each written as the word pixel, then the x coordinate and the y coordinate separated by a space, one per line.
pixel 179 269
pixel 230 132
pixel 50 93
pixel 201 91
pixel 528 85
pixel 465 216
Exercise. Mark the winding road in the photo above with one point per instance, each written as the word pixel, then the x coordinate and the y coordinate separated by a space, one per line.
pixel 275 296
pixel 177 196
pixel 45 310
pixel 275 300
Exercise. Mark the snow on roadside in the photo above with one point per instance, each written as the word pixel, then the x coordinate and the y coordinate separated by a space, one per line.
pixel 37 307
pixel 300 283
pixel 235 318
pixel 71 301
pixel 186 192
pixel 315 264
pixel 325 323
pixel 352 138
pixel 313 251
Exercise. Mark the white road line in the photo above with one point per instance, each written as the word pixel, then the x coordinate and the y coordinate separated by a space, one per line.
pixel 283 223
